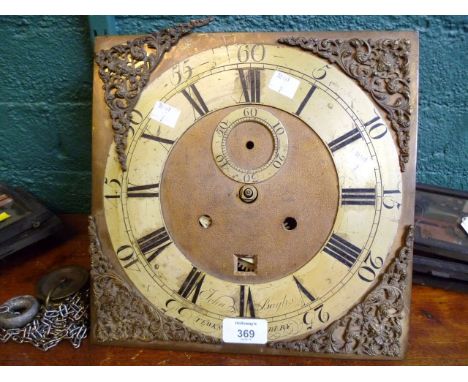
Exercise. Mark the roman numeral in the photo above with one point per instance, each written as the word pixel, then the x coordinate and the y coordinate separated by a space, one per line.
pixel 157 139
pixel 358 196
pixel 344 140
pixel 192 285
pixel 198 104
pixel 154 243
pixel 303 290
pixel 112 196
pixel 306 99
pixel 246 305
pixel 143 191
pixel 250 84
pixel 342 250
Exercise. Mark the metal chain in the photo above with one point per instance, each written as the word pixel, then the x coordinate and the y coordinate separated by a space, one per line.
pixel 64 320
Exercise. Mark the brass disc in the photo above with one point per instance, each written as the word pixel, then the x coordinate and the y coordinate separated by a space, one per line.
pixel 62 282
pixel 250 144
pixel 279 232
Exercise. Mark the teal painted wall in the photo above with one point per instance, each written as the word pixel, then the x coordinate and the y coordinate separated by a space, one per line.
pixel 45 95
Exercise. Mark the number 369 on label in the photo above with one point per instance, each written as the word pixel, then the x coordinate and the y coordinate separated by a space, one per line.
pixel 245 331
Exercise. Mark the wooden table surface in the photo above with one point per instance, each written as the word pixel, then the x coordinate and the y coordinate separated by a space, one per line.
pixel 438 333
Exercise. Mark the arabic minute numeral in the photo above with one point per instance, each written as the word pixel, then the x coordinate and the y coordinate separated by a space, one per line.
pixel 319 313
pixel 116 188
pixel 222 127
pixel 250 112
pixel 376 128
pixel 320 73
pixel 390 199
pixel 181 72
pixel 278 162
pixel 221 160
pixel 136 118
pixel 255 53
pixel 250 177
pixel 126 255
pixel 368 272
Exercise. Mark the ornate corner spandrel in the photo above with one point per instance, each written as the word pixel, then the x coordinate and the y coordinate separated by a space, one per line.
pixel 374 326
pixel 125 70
pixel 121 313
pixel 381 67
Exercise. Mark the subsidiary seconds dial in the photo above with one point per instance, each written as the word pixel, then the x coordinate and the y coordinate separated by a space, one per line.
pixel 235 133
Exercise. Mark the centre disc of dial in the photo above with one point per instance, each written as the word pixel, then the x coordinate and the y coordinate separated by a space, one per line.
pixel 279 232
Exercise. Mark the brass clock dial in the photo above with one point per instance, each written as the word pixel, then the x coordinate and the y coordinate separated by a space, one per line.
pixel 262 182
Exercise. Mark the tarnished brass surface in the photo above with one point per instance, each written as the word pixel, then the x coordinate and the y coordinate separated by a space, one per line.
pixel 202 219
pixel 305 188
pixel 62 282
